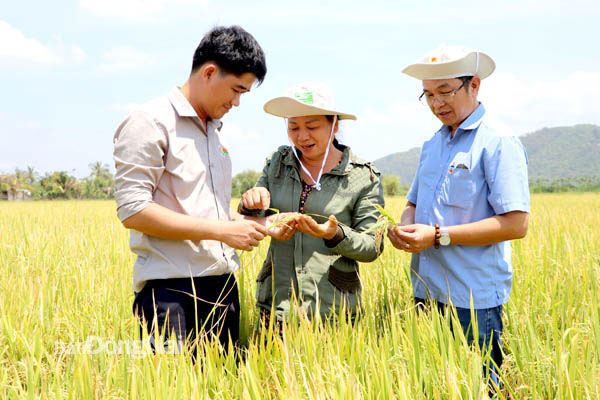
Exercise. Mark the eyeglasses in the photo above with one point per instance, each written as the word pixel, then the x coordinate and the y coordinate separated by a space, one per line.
pixel 443 98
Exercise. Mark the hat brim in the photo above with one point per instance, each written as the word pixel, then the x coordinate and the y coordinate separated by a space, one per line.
pixel 288 107
pixel 466 66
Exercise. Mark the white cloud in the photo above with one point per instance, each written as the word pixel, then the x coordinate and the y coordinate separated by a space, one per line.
pixel 235 138
pixel 130 9
pixel 393 128
pixel 139 10
pixel 16 47
pixel 514 106
pixel 246 147
pixel 202 3
pixel 125 58
pixel 77 54
pixel 385 12
pixel 523 106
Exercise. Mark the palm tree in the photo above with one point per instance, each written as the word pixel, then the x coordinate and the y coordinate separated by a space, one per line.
pixel 31 175
pixel 99 170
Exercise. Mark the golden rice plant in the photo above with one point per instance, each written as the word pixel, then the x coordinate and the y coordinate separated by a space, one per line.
pixel 67 330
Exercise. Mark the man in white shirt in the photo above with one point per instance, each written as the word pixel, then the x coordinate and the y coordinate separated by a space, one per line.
pixel 173 188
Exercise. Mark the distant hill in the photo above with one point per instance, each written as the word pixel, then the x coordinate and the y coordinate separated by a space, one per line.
pixel 402 164
pixel 561 152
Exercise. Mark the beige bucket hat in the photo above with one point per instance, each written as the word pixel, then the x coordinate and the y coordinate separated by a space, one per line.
pixel 448 62
pixel 307 98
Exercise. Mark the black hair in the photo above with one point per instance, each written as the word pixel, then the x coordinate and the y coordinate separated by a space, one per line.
pixel 234 50
pixel 465 81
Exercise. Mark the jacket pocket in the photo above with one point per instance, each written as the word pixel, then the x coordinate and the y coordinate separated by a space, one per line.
pixel 265 271
pixel 264 282
pixel 344 281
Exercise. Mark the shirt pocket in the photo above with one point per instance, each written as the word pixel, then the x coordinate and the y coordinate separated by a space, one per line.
pixel 187 160
pixel 458 189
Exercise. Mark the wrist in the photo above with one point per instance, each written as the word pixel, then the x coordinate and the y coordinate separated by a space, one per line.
pixel 236 216
pixel 336 239
pixel 331 236
pixel 217 230
pixel 246 211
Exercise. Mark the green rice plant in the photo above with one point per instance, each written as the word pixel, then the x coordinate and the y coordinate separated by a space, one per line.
pixel 388 216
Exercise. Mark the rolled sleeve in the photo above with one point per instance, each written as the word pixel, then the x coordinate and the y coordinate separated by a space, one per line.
pixel 506 175
pixel 355 244
pixel 413 192
pixel 139 150
pixel 411 196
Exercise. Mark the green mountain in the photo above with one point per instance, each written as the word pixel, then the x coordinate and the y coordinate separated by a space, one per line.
pixel 563 152
pixel 554 153
pixel 403 165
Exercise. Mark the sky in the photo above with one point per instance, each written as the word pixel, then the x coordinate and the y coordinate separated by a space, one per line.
pixel 71 70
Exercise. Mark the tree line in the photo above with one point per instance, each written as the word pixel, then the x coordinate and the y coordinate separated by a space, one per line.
pixel 580 184
pixel 99 184
pixel 392 187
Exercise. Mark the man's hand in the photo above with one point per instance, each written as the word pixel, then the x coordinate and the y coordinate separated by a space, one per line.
pixel 326 230
pixel 413 238
pixel 281 232
pixel 257 198
pixel 242 234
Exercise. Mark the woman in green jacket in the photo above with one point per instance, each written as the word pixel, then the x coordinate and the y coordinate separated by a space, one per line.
pixel 316 260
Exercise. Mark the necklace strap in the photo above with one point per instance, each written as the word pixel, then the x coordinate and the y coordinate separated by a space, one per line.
pixel 317 182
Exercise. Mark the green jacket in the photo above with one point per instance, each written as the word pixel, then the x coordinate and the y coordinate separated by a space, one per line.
pixel 321 278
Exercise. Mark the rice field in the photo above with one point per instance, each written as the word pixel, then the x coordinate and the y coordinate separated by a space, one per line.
pixel 67 331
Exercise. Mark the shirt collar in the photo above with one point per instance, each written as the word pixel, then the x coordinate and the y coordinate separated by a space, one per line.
pixel 181 104
pixel 474 120
pixel 184 109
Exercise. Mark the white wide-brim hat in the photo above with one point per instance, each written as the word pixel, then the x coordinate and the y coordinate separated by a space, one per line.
pixel 447 62
pixel 305 99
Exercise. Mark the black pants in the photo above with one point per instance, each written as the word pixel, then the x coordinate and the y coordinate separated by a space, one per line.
pixel 170 306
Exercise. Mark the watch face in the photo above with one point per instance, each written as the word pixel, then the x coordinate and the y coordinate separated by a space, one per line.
pixel 445 240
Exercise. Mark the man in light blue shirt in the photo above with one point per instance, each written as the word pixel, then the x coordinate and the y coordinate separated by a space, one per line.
pixel 469 198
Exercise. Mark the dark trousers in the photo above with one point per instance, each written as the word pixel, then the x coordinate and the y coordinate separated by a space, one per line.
pixel 170 306
pixel 489 330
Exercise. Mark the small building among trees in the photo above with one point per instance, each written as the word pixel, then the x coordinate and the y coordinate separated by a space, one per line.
pixel 14 194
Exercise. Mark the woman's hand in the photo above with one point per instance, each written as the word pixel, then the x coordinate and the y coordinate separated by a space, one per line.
pixel 284 231
pixel 257 198
pixel 326 230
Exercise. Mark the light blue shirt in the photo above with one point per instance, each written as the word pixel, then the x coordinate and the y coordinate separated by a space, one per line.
pixel 474 175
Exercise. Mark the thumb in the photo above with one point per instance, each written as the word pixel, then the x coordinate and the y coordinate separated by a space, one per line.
pixel 265 199
pixel 332 220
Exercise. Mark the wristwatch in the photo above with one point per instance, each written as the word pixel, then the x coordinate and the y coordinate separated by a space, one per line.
pixel 445 236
